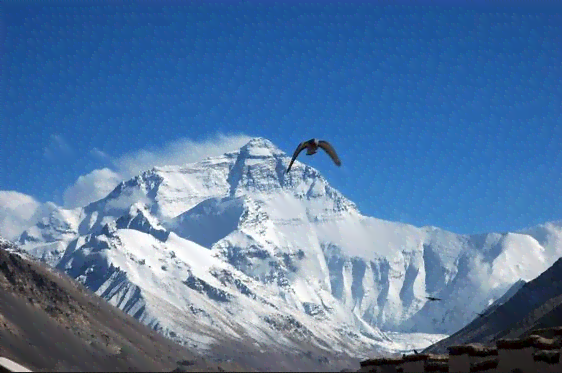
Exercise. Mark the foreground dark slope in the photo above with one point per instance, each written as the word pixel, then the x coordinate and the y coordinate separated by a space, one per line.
pixel 538 304
pixel 50 323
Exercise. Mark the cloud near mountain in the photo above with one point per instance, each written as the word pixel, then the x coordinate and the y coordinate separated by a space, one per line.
pixel 98 183
pixel 19 211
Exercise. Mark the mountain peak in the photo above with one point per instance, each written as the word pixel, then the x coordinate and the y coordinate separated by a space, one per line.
pixel 260 147
pixel 260 142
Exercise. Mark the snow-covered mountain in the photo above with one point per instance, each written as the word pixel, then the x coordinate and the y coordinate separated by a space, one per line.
pixel 234 246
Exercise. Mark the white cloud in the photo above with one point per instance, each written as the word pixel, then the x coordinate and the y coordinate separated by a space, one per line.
pixel 178 152
pixel 127 200
pixel 90 187
pixel 99 154
pixel 17 212
pixel 57 146
pixel 98 183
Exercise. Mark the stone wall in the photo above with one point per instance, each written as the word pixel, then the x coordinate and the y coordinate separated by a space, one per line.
pixel 537 352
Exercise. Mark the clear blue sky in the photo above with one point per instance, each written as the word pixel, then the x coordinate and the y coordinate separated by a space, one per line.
pixel 443 115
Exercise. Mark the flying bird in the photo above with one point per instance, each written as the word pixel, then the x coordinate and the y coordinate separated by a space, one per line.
pixel 433 298
pixel 311 147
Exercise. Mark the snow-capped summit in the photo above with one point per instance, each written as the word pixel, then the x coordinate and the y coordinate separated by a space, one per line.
pixel 188 248
pixel 260 147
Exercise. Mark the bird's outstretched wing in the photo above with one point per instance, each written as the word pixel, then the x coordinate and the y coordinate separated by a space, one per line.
pixel 330 150
pixel 433 298
pixel 299 149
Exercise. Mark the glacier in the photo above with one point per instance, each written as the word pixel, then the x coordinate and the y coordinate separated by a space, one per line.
pixel 232 248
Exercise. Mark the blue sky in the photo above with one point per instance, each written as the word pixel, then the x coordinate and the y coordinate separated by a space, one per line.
pixel 443 115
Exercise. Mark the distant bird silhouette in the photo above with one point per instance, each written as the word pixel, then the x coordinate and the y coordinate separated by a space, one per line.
pixel 480 314
pixel 433 298
pixel 311 147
